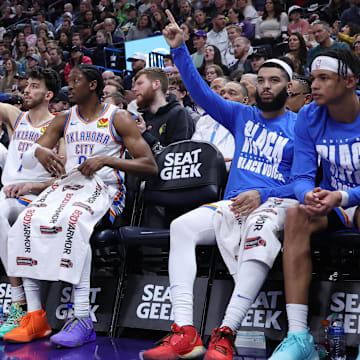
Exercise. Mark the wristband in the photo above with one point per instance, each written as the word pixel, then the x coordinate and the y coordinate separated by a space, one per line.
pixel 344 199
pixel 29 159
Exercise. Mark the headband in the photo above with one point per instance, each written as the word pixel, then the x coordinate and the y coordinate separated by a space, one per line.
pixel 328 63
pixel 286 67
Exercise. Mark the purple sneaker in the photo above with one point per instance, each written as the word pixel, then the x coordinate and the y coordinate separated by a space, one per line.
pixel 75 332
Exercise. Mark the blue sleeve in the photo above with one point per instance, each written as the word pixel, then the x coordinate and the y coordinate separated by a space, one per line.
pixel 223 111
pixel 305 162
pixel 284 191
pixel 354 196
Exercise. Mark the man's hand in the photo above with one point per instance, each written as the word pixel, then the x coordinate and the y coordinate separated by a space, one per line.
pixel 16 190
pixel 174 36
pixel 140 122
pixel 90 166
pixel 320 202
pixel 245 203
pixel 53 163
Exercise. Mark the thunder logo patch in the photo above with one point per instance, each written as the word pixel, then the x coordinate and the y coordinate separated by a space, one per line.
pixel 103 123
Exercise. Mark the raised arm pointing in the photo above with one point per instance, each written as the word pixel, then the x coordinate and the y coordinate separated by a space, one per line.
pixel 174 36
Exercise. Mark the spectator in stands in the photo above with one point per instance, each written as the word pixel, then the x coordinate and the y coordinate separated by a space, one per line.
pixel 212 72
pixel 111 87
pixel 218 35
pixel 249 197
pixel 7 37
pixel 59 103
pixel 208 129
pixel 332 12
pixel 30 37
pixel 43 31
pixel 201 22
pixel 159 21
pixel 138 62
pixel 144 7
pixel 9 81
pixel 241 51
pixel 236 18
pixel 321 32
pixel 21 83
pixel 247 10
pixel 186 12
pixel 326 130
pixel 57 63
pixel 5 56
pixel 116 35
pixel 99 54
pixel 172 5
pixel 212 56
pixel 65 41
pixel 40 19
pixel 234 31
pixel 357 46
pixel 41 45
pixel 76 40
pixel 69 10
pixel 351 15
pixel 164 119
pixel 257 58
pixel 20 54
pixel 19 14
pixel 299 93
pixel 299 69
pixel 89 19
pixel 87 37
pixel 107 75
pixel 33 61
pixel 177 87
pixel 188 33
pixel 250 82
pixel 6 19
pixel 296 23
pixel 272 24
pixel 199 41
pixel 209 8
pixel 141 30
pixel 76 58
pixel 348 34
pixel 297 46
pixel 131 15
pixel 117 99
pixel 79 17
pixel 120 12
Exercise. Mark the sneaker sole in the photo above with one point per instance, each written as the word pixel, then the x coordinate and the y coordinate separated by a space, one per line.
pixel 196 352
pixel 36 336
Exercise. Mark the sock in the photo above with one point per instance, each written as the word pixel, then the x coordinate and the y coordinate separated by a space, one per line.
pixel 297 317
pixel 182 301
pixel 32 293
pixel 82 291
pixel 250 277
pixel 17 294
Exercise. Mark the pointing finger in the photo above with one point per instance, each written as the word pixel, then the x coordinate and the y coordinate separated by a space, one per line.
pixel 170 16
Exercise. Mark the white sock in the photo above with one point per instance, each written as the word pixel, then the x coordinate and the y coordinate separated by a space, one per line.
pixel 182 302
pixel 17 294
pixel 297 317
pixel 32 293
pixel 82 291
pixel 249 280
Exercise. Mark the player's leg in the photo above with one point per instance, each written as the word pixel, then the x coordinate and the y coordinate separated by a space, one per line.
pixel 259 249
pixel 186 232
pixel 78 330
pixel 299 344
pixel 34 324
pixel 9 211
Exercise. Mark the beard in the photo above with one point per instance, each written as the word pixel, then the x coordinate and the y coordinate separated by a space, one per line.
pixel 32 103
pixel 276 104
pixel 146 98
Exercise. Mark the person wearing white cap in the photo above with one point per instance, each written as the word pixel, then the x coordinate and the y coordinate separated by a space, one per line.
pixel 328 129
pixel 258 192
pixel 296 23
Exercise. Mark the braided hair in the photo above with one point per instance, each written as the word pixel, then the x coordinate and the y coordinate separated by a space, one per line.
pixel 92 73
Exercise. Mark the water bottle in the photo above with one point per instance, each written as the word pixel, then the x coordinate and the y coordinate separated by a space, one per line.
pixel 337 338
pixel 324 344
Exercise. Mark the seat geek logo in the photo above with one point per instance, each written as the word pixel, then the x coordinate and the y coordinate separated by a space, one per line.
pixel 181 165
pixel 155 303
pixel 5 296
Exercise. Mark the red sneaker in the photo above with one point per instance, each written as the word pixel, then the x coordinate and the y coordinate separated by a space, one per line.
pixel 221 346
pixel 182 343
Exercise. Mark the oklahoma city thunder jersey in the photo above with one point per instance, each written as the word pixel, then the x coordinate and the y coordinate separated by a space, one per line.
pixel 86 140
pixel 24 135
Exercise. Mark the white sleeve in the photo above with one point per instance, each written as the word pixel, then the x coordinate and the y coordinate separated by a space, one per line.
pixel 3 155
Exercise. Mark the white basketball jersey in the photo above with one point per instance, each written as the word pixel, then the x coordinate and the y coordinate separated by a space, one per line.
pixel 24 136
pixel 86 140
